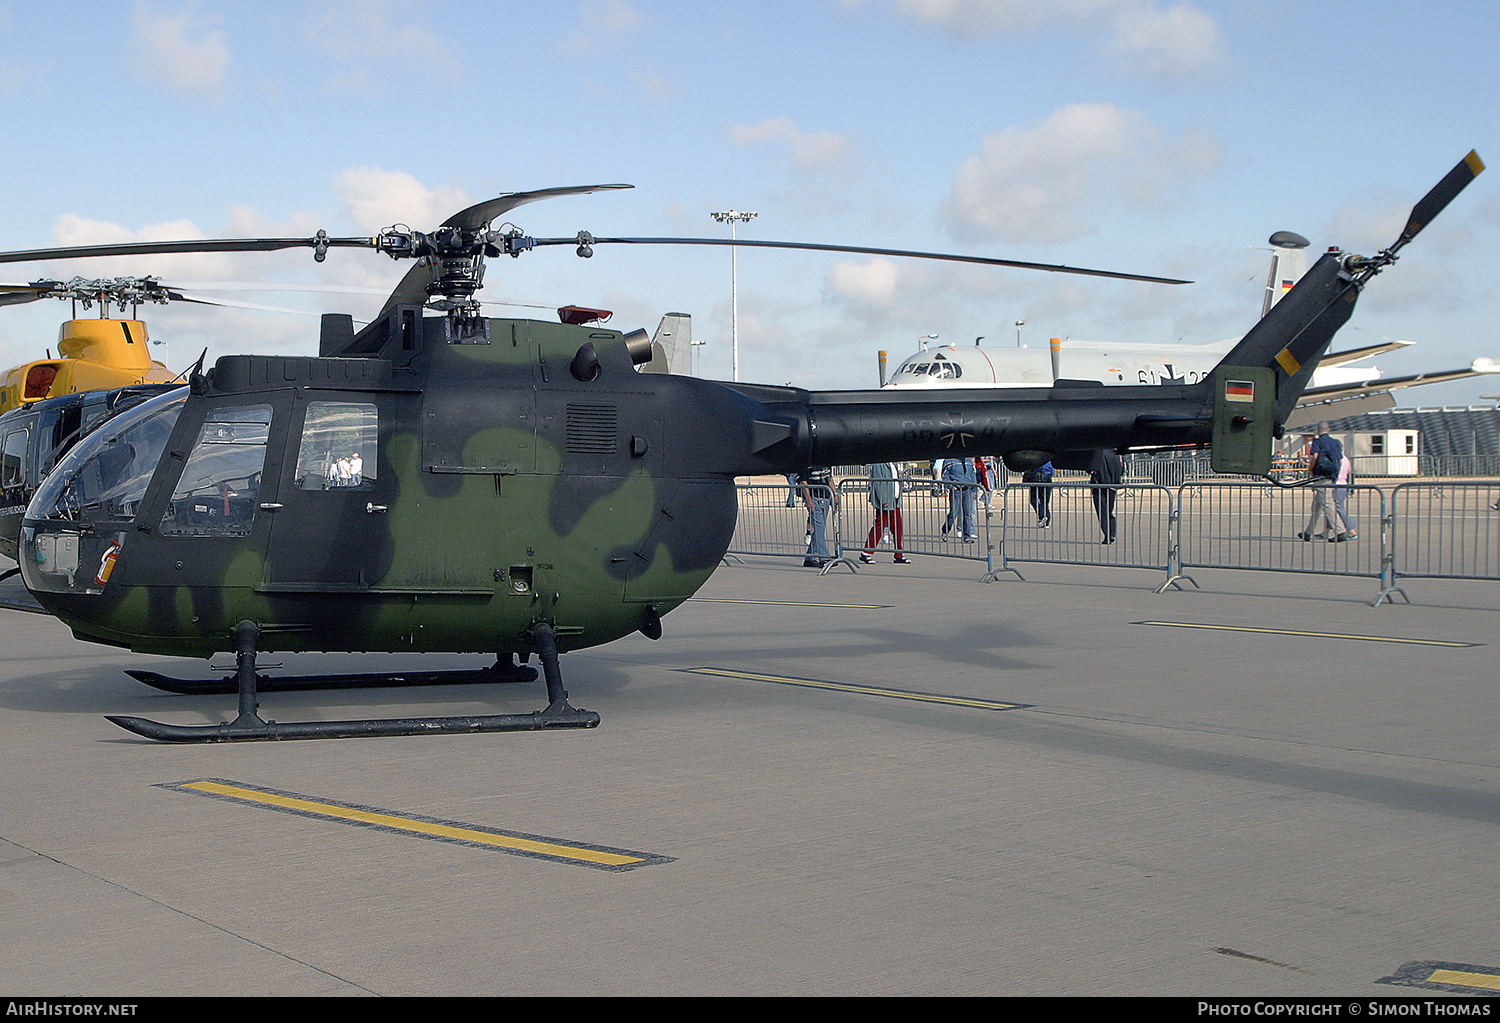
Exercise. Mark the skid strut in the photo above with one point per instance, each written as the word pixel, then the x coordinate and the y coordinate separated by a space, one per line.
pixel 249 726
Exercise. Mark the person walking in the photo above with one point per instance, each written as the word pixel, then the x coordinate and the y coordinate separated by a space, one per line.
pixel 963 501
pixel 1040 492
pixel 1106 469
pixel 1323 465
pixel 885 495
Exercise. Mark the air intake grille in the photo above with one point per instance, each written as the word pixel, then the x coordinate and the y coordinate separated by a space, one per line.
pixel 593 429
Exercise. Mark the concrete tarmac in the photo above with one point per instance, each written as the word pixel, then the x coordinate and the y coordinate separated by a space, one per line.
pixel 1162 810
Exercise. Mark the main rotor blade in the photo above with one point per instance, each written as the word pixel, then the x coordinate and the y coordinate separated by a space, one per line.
pixel 19 294
pixel 231 303
pixel 192 245
pixel 326 289
pixel 867 251
pixel 1442 194
pixel 482 213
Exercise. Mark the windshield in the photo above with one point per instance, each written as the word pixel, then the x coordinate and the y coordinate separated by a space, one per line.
pixel 103 479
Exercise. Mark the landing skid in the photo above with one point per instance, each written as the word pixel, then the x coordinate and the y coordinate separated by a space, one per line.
pixel 498 673
pixel 250 727
pixel 236 731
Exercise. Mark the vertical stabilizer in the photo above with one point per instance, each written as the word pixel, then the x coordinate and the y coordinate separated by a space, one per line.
pixel 672 346
pixel 1288 264
pixel 1296 331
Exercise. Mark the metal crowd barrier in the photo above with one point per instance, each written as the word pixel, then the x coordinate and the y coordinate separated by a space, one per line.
pixel 1227 524
pixel 768 526
pixel 927 528
pixel 1424 529
pixel 1074 532
pixel 1445 530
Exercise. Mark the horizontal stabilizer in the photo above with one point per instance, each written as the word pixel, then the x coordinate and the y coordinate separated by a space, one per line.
pixel 1356 354
pixel 1328 395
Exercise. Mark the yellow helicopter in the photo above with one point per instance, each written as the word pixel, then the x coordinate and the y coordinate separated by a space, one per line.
pixel 94 354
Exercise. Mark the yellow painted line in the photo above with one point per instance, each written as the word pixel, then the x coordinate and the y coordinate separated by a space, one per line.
pixel 1454 978
pixel 1488 981
pixel 1312 635
pixel 844 687
pixel 786 603
pixel 450 831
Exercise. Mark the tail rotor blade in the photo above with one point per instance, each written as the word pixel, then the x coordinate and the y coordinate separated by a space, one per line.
pixel 1442 194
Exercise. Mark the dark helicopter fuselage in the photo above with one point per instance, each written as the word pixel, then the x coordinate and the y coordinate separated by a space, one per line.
pixel 520 474
pixel 497 490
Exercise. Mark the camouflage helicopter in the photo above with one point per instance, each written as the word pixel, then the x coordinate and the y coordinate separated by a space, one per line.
pixel 456 483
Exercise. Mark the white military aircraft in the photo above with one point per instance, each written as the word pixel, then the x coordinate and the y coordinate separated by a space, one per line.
pixel 1338 388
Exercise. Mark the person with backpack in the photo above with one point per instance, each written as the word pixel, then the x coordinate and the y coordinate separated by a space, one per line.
pixel 1324 464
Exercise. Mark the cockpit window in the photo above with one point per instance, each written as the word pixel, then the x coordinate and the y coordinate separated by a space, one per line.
pixel 13 459
pixel 104 478
pixel 219 488
pixel 941 368
pixel 80 515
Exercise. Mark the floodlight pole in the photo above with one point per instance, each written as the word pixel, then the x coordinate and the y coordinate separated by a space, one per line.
pixel 733 218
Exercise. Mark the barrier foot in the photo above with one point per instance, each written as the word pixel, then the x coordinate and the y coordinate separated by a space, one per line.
pixel 1385 595
pixel 1176 580
pixel 828 565
pixel 995 574
pixel 726 559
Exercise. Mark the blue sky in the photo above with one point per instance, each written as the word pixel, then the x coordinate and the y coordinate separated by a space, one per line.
pixel 1158 137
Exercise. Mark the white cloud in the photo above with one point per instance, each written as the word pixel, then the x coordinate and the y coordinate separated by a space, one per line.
pixel 1038 184
pixel 179 51
pixel 374 198
pixel 1176 42
pixel 967 17
pixel 868 284
pixel 363 38
pixel 658 87
pixel 601 25
pixel 809 150
pixel 17 76
pixel 1144 37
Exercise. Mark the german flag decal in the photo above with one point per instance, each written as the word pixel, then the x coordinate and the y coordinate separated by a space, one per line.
pixel 1239 390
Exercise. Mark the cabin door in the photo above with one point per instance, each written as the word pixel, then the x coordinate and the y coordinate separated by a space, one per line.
pixel 329 515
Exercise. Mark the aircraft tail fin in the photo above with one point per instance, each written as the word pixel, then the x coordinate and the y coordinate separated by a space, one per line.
pixel 1256 386
pixel 672 346
pixel 1288 264
pixel 1297 330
